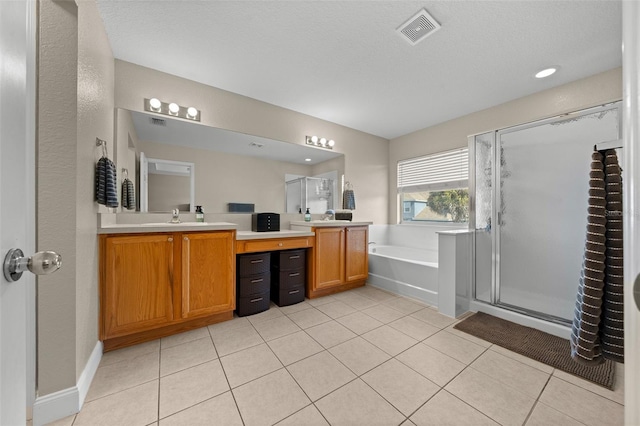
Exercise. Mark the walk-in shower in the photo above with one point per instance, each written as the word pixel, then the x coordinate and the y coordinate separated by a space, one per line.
pixel 528 191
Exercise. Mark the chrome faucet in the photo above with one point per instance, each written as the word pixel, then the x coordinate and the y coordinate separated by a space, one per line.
pixel 371 242
pixel 175 216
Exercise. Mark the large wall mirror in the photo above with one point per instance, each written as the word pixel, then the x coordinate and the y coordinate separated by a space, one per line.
pixel 228 167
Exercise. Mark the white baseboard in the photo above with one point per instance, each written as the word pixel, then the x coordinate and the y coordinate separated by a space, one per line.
pixel 403 289
pixel 68 401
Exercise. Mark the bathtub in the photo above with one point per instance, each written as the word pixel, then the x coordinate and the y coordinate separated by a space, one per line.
pixel 406 271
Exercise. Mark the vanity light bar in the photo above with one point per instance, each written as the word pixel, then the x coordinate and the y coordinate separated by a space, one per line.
pixel 320 142
pixel 171 109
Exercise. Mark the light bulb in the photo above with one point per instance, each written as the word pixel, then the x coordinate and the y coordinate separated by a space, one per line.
pixel 174 108
pixel 546 72
pixel 155 104
pixel 192 112
pixel 307 159
pixel 314 139
pixel 323 142
pixel 331 143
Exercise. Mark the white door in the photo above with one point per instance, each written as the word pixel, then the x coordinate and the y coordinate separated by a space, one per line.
pixel 17 203
pixel 631 187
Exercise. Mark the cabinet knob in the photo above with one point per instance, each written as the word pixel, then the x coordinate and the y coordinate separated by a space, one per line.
pixel 186 238
pixel 279 244
pixel 170 239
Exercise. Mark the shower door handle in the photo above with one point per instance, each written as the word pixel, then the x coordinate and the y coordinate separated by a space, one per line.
pixel 636 291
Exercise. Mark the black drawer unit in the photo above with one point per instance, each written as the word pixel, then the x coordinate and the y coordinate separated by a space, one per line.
pixel 253 283
pixel 288 269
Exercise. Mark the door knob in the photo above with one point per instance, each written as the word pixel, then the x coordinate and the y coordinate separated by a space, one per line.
pixel 41 263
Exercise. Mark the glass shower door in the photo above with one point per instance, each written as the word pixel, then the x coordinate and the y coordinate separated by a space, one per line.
pixel 543 174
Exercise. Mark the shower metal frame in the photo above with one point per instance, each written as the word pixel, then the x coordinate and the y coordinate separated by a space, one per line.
pixel 494 298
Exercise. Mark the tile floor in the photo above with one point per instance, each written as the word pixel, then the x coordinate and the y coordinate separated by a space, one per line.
pixel 363 357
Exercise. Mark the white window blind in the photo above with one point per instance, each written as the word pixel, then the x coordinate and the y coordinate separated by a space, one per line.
pixel 441 171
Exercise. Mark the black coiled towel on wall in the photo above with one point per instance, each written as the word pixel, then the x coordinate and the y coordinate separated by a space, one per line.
pixel 106 188
pixel 597 332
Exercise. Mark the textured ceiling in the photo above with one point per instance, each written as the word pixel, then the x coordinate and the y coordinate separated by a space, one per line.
pixel 344 62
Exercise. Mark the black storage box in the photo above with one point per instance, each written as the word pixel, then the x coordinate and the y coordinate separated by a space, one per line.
pixel 343 216
pixel 288 260
pixel 253 283
pixel 265 222
pixel 282 296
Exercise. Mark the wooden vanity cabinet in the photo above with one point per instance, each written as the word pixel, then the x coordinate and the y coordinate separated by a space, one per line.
pixel 340 259
pixel 154 285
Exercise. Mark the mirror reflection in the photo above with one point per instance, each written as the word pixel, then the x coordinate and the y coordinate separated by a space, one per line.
pixel 231 167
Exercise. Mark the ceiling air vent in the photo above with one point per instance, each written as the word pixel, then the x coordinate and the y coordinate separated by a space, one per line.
pixel 418 27
pixel 158 121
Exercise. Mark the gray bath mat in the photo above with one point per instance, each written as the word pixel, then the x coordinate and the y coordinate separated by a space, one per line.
pixel 535 344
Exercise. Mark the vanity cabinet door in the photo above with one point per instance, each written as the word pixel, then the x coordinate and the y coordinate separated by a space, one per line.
pixel 208 273
pixel 356 254
pixel 138 276
pixel 329 257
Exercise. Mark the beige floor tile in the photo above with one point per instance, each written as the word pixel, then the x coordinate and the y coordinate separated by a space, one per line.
pixel 308 416
pixel 359 355
pixel 504 404
pixel 187 336
pixel 336 309
pixel 445 409
pixel 220 410
pixel 383 313
pixel 309 318
pixel 617 394
pixel 358 404
pixel 507 370
pixel 222 328
pixel 249 364
pixel 456 347
pixel 271 313
pixel 67 421
pixel 412 327
pixel 186 355
pixel 433 317
pixel 359 323
pixel 432 364
pixel 523 359
pixel 356 301
pixel 292 309
pixel 408 423
pixel 189 387
pixel 320 374
pixel 294 347
pixel 320 300
pixel 123 375
pixel 467 336
pixel 135 406
pixel 127 354
pixel 543 415
pixel 404 305
pixel 236 339
pixel 330 333
pixel 270 399
pixel 389 340
pixel 582 405
pixel 274 328
pixel 374 293
pixel 405 389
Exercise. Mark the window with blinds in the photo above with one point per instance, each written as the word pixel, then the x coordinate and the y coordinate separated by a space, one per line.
pixel 435 187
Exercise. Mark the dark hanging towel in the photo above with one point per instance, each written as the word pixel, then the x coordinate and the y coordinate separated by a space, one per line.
pixel 597 332
pixel 348 198
pixel 128 195
pixel 106 189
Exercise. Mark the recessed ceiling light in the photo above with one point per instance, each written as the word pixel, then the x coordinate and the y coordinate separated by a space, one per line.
pixel 307 159
pixel 546 72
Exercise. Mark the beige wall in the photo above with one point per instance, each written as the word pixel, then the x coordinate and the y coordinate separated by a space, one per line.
pixel 366 156
pixel 223 178
pixel 75 105
pixel 591 91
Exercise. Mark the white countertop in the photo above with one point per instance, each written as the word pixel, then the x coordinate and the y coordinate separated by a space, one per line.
pixel 126 228
pixel 251 235
pixel 326 223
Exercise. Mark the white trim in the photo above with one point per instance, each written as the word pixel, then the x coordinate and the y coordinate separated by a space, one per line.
pixel 403 289
pixel 68 401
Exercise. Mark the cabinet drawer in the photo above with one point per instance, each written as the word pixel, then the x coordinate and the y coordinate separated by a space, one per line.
pixel 287 296
pixel 250 246
pixel 288 260
pixel 253 304
pixel 255 284
pixel 253 264
pixel 287 279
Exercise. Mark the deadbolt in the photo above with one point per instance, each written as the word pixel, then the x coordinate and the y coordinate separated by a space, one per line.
pixel 41 263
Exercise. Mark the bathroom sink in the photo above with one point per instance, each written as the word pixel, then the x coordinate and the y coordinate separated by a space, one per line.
pixel 172 223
